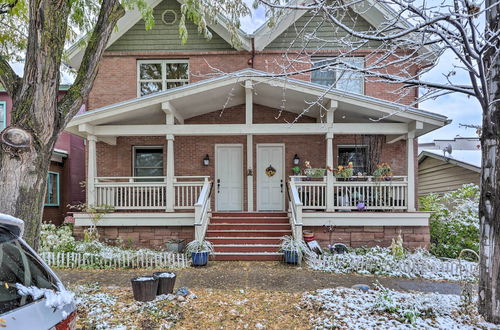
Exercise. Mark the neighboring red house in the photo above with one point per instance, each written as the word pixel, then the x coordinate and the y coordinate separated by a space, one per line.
pixel 66 171
pixel 167 144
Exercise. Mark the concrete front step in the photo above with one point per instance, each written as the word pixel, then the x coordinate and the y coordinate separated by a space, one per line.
pixel 245 240
pixel 249 214
pixel 251 226
pixel 247 233
pixel 237 248
pixel 248 256
pixel 249 220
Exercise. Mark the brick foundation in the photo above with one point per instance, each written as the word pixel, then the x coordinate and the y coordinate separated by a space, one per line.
pixel 413 237
pixel 141 236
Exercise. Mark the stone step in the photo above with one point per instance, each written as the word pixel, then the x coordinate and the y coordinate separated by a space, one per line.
pixel 245 240
pixel 251 226
pixel 249 220
pixel 246 248
pixel 247 233
pixel 247 256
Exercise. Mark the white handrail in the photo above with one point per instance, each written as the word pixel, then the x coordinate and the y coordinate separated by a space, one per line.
pixel 201 212
pixel 295 206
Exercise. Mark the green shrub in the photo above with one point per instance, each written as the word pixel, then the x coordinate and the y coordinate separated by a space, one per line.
pixel 454 225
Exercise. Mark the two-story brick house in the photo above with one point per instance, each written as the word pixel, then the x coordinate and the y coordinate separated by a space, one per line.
pixel 181 153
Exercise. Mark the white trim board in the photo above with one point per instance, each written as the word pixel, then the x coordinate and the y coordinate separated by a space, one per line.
pixel 137 219
pixel 366 218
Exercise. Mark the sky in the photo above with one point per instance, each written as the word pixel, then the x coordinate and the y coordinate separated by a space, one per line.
pixel 460 108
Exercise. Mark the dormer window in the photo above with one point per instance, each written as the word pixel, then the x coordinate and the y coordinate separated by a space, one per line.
pixel 159 75
pixel 340 75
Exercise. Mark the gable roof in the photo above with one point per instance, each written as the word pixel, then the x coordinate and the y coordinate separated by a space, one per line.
pixel 374 12
pixel 469 159
pixel 229 90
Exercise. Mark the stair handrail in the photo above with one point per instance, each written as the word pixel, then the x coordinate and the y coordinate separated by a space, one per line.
pixel 295 205
pixel 202 209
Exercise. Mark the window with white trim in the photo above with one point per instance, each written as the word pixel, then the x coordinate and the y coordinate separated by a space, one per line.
pixel 340 75
pixel 159 75
pixel 3 115
pixel 52 197
pixel 148 161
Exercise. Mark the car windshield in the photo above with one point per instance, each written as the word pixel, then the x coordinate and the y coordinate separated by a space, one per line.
pixel 19 265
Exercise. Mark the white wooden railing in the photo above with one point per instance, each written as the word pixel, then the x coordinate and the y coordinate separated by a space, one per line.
pixel 202 211
pixel 295 206
pixel 147 193
pixel 374 193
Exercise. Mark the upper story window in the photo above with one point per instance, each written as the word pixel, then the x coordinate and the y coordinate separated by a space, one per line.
pixel 159 75
pixel 352 81
pixel 358 155
pixel 3 115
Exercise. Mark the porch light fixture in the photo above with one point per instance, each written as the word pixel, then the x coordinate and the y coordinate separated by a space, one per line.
pixel 206 160
pixel 296 160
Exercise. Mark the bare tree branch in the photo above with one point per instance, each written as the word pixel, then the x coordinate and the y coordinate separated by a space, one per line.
pixel 8 78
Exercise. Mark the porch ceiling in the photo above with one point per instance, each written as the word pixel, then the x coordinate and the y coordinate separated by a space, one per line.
pixel 226 91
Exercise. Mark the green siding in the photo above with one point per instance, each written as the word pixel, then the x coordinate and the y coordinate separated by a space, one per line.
pixel 163 37
pixel 320 28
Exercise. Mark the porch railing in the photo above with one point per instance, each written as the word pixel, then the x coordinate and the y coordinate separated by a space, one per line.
pixel 201 211
pixel 147 193
pixel 295 206
pixel 374 193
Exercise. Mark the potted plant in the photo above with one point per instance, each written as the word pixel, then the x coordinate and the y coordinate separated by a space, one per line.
pixel 166 282
pixel 199 251
pixel 343 172
pixel 175 245
pixel 293 249
pixel 313 172
pixel 383 172
pixel 296 170
pixel 144 288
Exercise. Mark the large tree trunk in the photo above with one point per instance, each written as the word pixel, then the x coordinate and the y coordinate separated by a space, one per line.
pixel 489 206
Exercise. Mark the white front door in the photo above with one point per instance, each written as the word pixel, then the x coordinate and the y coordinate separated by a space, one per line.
pixel 229 177
pixel 270 188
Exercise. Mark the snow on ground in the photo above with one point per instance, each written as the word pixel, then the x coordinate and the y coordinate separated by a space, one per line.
pixel 386 309
pixel 380 261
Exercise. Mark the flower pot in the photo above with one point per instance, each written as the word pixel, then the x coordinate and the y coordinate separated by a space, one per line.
pixel 200 258
pixel 144 288
pixel 308 235
pixel 291 257
pixel 166 282
pixel 176 246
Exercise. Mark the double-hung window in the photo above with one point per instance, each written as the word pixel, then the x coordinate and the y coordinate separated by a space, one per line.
pixel 159 75
pixel 358 155
pixel 52 197
pixel 3 115
pixel 148 162
pixel 342 75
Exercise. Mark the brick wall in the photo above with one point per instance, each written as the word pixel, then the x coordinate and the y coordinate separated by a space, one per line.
pixel 141 236
pixel 413 237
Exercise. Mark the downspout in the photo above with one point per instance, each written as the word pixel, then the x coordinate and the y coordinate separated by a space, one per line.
pixel 251 61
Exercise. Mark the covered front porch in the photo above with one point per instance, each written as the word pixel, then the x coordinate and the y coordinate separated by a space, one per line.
pixel 230 144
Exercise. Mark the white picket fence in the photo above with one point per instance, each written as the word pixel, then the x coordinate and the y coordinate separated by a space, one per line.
pixel 125 260
pixel 452 269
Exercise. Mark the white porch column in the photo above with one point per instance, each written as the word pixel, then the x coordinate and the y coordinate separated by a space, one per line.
pixel 329 156
pixel 411 170
pixel 91 169
pixel 170 174
pixel 249 169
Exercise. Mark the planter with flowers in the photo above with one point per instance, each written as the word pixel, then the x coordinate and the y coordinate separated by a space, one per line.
pixel 344 172
pixel 313 172
pixel 383 172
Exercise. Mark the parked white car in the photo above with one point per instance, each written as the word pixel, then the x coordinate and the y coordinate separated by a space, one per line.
pixel 31 295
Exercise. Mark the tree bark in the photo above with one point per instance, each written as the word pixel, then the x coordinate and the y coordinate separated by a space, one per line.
pixel 489 205
pixel 36 108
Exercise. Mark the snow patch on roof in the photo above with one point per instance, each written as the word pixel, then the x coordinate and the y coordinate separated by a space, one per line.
pixel 470 157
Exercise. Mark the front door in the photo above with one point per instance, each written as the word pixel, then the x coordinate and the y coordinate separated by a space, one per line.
pixel 229 177
pixel 270 177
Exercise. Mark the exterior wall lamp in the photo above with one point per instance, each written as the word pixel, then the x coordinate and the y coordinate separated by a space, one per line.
pixel 296 160
pixel 206 160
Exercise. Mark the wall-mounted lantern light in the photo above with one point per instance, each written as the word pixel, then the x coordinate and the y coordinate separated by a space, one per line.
pixel 296 160
pixel 206 160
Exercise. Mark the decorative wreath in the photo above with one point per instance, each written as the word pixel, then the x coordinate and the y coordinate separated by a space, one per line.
pixel 270 171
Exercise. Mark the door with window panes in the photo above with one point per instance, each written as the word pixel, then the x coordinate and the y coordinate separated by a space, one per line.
pixel 159 75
